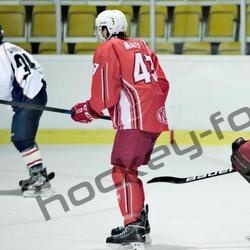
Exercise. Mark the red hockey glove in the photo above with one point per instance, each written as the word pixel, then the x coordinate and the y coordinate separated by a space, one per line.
pixel 81 112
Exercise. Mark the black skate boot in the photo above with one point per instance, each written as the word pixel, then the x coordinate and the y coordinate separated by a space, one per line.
pixel 38 183
pixel 144 218
pixel 132 236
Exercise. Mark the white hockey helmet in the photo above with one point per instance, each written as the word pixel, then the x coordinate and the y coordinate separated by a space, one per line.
pixel 115 22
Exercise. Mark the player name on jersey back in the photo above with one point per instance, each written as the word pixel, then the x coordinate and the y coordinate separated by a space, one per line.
pixel 132 45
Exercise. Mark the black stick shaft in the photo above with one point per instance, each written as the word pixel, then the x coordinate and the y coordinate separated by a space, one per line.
pixel 43 108
pixel 178 180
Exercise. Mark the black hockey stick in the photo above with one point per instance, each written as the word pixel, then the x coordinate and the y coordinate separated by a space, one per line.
pixel 44 108
pixel 178 180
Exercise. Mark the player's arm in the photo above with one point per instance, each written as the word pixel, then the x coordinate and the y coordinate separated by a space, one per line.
pixel 106 82
pixel 105 88
pixel 162 80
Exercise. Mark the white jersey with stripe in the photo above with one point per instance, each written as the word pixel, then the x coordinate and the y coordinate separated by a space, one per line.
pixel 18 69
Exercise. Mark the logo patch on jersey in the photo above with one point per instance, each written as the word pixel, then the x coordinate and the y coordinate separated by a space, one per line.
pixel 96 65
pixel 161 115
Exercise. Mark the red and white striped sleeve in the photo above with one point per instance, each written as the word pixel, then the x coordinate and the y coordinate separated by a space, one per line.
pixel 106 83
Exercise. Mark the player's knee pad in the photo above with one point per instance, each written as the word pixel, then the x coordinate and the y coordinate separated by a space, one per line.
pixel 22 145
pixel 241 157
pixel 130 193
pixel 122 174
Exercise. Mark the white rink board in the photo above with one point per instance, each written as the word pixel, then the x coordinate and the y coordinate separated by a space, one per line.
pixel 199 87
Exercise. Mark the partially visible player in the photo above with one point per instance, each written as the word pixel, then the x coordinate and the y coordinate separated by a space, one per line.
pixel 22 80
pixel 241 157
pixel 129 82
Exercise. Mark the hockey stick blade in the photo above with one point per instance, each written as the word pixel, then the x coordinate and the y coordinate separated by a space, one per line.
pixel 43 108
pixel 179 180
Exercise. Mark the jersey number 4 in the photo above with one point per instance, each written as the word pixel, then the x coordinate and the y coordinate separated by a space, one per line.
pixel 23 60
pixel 141 72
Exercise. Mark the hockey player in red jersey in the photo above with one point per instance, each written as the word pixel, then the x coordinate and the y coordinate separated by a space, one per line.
pixel 129 82
pixel 240 159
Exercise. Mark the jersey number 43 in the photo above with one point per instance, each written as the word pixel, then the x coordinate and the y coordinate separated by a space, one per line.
pixel 141 72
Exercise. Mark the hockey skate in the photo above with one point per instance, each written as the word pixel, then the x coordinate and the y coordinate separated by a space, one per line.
pixel 132 237
pixel 144 218
pixel 37 184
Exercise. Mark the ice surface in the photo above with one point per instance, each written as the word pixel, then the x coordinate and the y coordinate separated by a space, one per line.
pixel 208 214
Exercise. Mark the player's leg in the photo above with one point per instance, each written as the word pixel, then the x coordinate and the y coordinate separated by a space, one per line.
pixel 130 195
pixel 24 127
pixel 132 148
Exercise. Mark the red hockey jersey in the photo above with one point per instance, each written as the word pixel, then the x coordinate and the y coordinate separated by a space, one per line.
pixel 129 81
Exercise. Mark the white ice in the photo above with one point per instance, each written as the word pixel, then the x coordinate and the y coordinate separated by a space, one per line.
pixel 203 215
